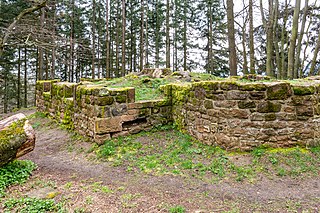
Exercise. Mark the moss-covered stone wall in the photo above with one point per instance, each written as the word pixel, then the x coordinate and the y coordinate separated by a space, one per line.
pixel 100 112
pixel 230 114
pixel 242 116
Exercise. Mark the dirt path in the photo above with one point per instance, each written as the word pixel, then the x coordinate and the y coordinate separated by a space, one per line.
pixel 62 162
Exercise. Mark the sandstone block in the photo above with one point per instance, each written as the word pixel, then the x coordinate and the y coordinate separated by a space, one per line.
pixel 246 104
pixel 107 125
pixel 268 106
pixel 236 95
pixel 278 91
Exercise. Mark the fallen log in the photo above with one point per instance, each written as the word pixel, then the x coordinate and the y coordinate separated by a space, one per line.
pixel 17 138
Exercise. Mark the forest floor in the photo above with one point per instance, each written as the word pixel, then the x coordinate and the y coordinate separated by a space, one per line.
pixel 73 172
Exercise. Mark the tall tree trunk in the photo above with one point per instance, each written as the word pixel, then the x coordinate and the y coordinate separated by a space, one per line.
pixel 231 39
pixel 107 41
pixel 40 72
pixel 157 34
pixel 185 35
pixel 315 54
pixel 141 34
pixel 93 38
pixel 251 39
pixel 283 69
pixel 276 38
pixel 6 91
pixel 147 38
pixel 297 63
pixel 123 57
pixel 19 79
pixel 168 34
pixel 294 33
pixel 25 85
pixel 269 29
pixel 210 46
pixel 117 44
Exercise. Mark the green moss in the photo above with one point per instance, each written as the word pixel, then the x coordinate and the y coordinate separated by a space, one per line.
pixel 265 107
pixel 229 85
pixel 246 104
pixel 303 90
pixel 279 91
pixel 208 104
pixel 253 87
pixel 180 93
pixel 207 85
pixel 11 139
pixel 105 100
pixel 270 117
pixel 121 99
pixel 47 96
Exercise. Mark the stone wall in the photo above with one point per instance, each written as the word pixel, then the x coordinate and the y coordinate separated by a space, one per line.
pixel 242 116
pixel 99 112
pixel 229 114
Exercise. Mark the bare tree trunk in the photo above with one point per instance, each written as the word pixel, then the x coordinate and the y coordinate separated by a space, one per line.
pixel 168 34
pixel 93 38
pixel 40 72
pixel 19 79
pixel 185 36
pixel 25 85
pixel 297 63
pixel 251 39
pixel 283 70
pixel 231 39
pixel 275 38
pixel 315 54
pixel 294 33
pixel 123 58
pixel 210 46
pixel 107 41
pixel 142 35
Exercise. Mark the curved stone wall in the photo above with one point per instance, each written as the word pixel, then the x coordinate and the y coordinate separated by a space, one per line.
pixel 242 116
pixel 230 114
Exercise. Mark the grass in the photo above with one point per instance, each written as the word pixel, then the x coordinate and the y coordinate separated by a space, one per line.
pixel 31 205
pixel 171 152
pixel 177 209
pixel 15 172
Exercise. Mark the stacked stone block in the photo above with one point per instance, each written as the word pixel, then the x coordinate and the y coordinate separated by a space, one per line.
pixel 99 112
pixel 242 116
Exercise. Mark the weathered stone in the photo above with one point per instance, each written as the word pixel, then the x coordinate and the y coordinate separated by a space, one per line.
pixel 257 95
pixel 107 125
pixel 303 90
pixel 121 99
pixel 246 104
pixel 103 100
pixel 268 106
pixel 304 111
pixel 229 85
pixel 289 109
pixel 278 91
pixel 119 109
pixel 286 116
pixel 239 113
pixel 131 95
pixel 253 87
pixel 302 100
pixel 257 117
pixel 270 117
pixel 101 139
pixel 208 104
pixel 236 95
pixel 225 104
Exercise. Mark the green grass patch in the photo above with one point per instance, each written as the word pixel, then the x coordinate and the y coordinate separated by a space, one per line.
pixel 31 205
pixel 171 152
pixel 15 172
pixel 177 209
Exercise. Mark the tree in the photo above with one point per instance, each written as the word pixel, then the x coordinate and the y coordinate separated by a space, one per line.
pixel 231 39
pixel 294 33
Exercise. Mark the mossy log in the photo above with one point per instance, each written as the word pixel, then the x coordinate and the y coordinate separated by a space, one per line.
pixel 17 138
